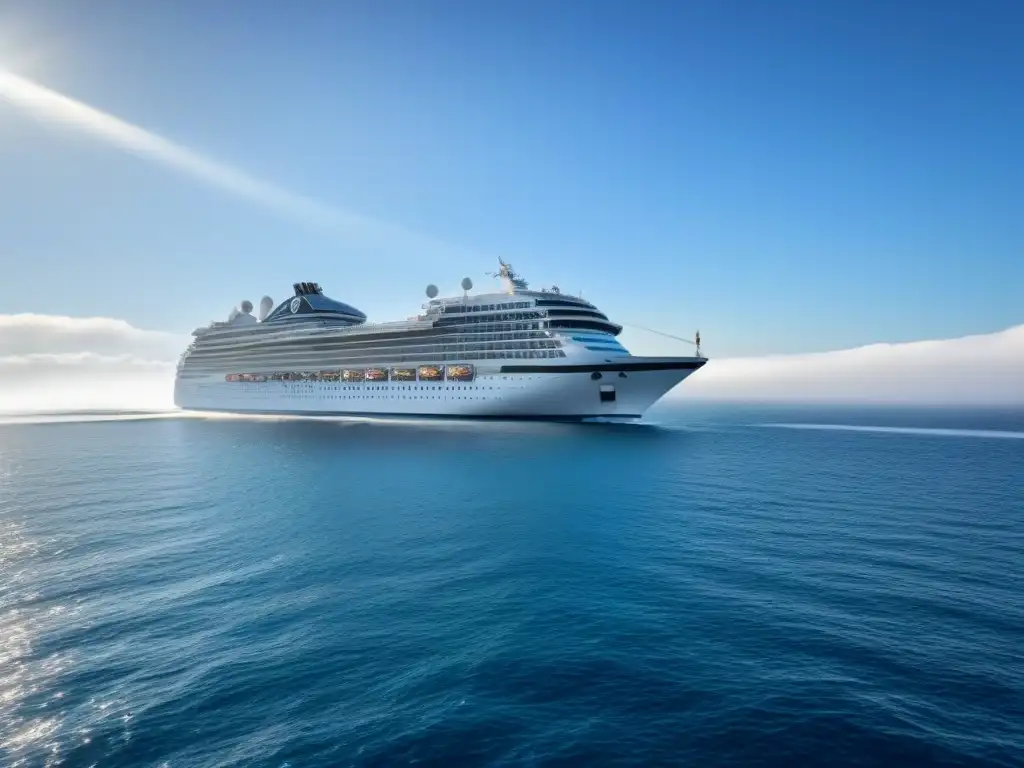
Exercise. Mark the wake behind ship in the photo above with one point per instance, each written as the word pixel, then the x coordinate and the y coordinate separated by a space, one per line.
pixel 516 354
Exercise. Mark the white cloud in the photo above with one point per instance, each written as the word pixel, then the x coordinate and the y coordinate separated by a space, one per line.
pixel 51 362
pixel 65 363
pixel 59 111
pixel 84 381
pixel 970 370
pixel 28 334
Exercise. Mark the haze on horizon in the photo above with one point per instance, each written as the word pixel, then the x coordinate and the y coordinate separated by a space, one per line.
pixel 106 364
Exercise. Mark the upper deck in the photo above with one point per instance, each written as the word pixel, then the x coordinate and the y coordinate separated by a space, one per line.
pixel 309 313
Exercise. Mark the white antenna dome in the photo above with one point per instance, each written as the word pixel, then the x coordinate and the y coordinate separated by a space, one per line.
pixel 246 307
pixel 266 304
pixel 431 291
pixel 467 284
pixel 233 314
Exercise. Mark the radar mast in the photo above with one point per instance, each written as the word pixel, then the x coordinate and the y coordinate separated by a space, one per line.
pixel 513 282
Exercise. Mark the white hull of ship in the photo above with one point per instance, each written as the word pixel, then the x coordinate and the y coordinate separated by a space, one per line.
pixel 616 395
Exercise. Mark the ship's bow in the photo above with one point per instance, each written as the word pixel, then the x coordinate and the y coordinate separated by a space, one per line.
pixel 621 390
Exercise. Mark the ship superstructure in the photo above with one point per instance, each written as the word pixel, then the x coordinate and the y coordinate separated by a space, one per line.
pixel 516 353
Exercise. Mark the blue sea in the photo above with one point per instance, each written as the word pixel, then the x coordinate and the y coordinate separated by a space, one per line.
pixel 718 586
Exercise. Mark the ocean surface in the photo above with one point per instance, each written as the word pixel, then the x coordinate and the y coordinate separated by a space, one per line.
pixel 719 586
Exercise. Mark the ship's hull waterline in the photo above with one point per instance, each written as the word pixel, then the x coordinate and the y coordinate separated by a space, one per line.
pixel 605 392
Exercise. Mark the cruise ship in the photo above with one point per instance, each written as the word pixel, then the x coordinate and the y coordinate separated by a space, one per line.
pixel 515 353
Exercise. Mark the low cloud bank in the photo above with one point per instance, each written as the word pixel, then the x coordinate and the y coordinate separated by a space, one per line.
pixel 973 370
pixel 84 381
pixel 29 334
pixel 50 363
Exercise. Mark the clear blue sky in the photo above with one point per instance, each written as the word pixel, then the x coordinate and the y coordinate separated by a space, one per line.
pixel 784 176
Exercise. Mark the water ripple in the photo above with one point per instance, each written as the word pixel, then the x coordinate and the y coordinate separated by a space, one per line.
pixel 276 592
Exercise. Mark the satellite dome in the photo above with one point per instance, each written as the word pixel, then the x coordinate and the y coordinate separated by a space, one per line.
pixel 233 314
pixel 431 291
pixel 246 307
pixel 266 304
pixel 467 284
